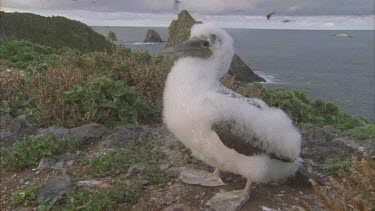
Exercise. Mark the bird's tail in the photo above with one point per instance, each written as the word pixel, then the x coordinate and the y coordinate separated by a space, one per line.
pixel 303 171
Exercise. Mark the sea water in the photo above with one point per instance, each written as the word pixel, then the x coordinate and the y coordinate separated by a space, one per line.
pixel 337 69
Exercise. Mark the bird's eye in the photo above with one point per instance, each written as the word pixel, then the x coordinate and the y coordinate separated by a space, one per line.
pixel 205 44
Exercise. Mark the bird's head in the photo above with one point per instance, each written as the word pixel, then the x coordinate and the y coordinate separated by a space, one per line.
pixel 208 42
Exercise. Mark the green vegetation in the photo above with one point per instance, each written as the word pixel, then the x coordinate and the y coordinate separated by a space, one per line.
pixel 24 54
pixel 55 31
pixel 114 199
pixel 27 152
pixel 117 162
pixel 109 102
pixel 112 89
pixel 26 197
pixel 333 166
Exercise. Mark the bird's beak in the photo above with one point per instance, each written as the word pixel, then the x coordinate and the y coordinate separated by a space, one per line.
pixel 189 48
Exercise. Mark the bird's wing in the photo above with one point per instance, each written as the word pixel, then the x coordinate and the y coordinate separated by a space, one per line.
pixel 249 126
pixel 252 101
pixel 232 135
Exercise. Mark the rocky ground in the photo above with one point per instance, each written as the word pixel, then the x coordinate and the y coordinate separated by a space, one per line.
pixel 58 174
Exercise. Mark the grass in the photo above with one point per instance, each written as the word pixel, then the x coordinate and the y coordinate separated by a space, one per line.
pixel 114 199
pixel 25 197
pixel 332 166
pixel 117 162
pixel 26 153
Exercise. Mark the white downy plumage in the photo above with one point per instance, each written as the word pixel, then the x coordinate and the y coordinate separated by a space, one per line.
pixel 194 100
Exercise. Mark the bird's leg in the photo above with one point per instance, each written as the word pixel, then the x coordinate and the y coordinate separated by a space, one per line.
pixel 217 173
pixel 232 200
pixel 199 177
pixel 247 189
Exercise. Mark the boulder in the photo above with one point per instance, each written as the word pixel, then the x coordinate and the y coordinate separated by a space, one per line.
pixel 122 136
pixel 54 187
pixel 152 36
pixel 179 31
pixel 13 129
pixel 87 133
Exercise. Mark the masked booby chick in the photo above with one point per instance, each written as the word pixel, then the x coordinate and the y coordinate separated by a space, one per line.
pixel 222 128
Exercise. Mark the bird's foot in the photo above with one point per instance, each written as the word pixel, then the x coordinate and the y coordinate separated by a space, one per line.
pixel 229 201
pixel 199 177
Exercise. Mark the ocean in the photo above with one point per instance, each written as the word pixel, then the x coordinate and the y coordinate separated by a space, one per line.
pixel 337 69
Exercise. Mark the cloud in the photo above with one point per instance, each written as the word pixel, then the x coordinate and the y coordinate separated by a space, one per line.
pixel 248 7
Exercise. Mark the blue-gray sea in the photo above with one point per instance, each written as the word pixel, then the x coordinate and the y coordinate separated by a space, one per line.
pixel 338 69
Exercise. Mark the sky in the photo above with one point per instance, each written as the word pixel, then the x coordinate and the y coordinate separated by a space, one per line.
pixel 301 14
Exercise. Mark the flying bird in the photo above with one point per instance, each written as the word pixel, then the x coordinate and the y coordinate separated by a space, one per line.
pixel 221 127
pixel 93 2
pixel 269 15
pixel 286 21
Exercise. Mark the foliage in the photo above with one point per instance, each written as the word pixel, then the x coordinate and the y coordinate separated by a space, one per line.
pixel 333 166
pixel 26 196
pixel 4 108
pixel 350 192
pixel 118 161
pixel 366 131
pixel 27 152
pixel 27 55
pixel 114 199
pixel 111 35
pixel 55 31
pixel 108 102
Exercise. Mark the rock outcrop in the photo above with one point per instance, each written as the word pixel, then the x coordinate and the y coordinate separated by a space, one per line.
pixel 152 36
pixel 179 31
pixel 55 31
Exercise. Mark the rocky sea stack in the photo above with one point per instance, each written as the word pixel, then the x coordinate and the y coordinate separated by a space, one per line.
pixel 179 31
pixel 152 36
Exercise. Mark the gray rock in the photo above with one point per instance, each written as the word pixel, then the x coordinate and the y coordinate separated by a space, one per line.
pixel 323 143
pixel 56 162
pixel 54 187
pixel 13 129
pixel 152 36
pixel 88 133
pixel 93 184
pixel 122 136
pixel 242 72
pixel 55 130
pixel 179 31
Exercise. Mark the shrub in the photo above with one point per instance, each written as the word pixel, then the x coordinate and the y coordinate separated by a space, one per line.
pixel 109 102
pixel 27 55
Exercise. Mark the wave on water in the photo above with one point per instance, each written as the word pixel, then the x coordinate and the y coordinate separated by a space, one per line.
pixel 270 79
pixel 143 43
